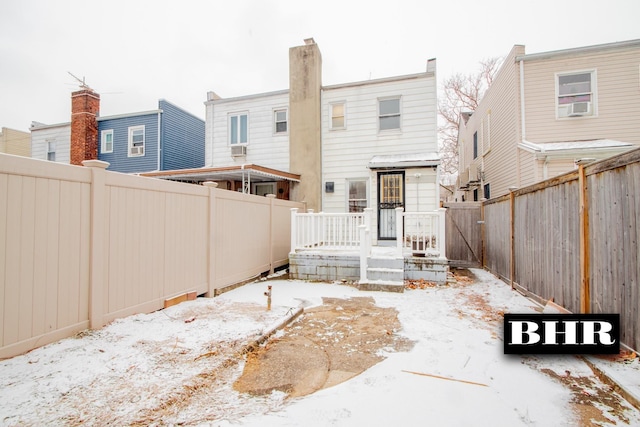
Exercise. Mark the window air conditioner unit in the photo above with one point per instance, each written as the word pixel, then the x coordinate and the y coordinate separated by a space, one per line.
pixel 578 109
pixel 138 150
pixel 473 172
pixel 464 177
pixel 239 151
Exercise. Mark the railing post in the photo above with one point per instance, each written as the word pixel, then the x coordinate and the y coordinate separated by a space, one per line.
pixel 294 229
pixel 271 198
pixel 211 243
pixel 399 231
pixel 96 257
pixel 364 253
pixel 442 235
pixel 368 214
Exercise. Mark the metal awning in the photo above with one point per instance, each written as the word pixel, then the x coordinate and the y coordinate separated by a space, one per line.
pixel 396 161
pixel 246 173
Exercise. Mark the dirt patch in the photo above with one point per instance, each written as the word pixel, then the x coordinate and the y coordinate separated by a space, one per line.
pixel 593 402
pixel 326 346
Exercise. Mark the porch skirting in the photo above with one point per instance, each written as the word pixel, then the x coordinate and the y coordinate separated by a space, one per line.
pixel 328 267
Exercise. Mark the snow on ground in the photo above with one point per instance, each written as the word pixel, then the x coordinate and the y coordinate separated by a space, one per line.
pixel 136 363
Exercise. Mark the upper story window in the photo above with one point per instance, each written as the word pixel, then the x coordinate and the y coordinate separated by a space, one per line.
pixel 238 129
pixel 389 113
pixel 280 121
pixel 136 141
pixel 337 115
pixel 575 94
pixel 106 141
pixel 51 151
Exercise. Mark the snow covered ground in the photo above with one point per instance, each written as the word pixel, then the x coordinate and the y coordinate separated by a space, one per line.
pixel 455 375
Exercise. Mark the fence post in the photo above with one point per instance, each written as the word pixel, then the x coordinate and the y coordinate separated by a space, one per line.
pixel 271 198
pixel 294 229
pixel 585 285
pixel 363 253
pixel 399 231
pixel 211 243
pixel 97 241
pixel 512 251
pixel 368 212
pixel 442 235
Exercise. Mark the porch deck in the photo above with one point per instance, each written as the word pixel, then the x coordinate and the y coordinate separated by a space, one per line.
pixel 330 247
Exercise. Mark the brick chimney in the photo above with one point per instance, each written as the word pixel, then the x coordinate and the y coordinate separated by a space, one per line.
pixel 85 105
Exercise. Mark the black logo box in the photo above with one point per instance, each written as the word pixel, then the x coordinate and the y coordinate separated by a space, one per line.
pixel 513 345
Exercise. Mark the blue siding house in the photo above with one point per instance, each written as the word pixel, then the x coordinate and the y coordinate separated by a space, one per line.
pixel 168 138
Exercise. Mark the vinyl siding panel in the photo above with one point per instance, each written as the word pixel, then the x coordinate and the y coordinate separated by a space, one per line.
pixel 264 148
pixel 497 122
pixel 182 138
pixel 60 134
pixel 617 104
pixel 347 152
pixel 119 161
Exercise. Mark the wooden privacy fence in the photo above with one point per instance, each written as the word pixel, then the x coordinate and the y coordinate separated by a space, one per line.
pixel 81 246
pixel 574 239
pixel 464 233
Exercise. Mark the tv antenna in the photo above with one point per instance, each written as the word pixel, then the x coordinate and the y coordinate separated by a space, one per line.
pixel 83 85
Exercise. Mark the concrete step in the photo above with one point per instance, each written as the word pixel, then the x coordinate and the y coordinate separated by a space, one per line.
pixel 382 286
pixel 386 262
pixel 386 274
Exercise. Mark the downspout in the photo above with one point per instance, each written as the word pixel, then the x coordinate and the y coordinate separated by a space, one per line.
pixel 523 127
pixel 159 139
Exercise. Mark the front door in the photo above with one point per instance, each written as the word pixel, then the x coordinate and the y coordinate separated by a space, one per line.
pixel 390 197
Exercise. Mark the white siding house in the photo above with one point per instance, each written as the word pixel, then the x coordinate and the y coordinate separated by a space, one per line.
pixel 378 143
pixel 248 129
pixel 51 142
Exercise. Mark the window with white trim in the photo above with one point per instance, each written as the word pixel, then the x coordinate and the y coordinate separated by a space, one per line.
pixel 106 141
pixel 51 151
pixel 280 121
pixel 136 141
pixel 238 129
pixel 389 113
pixel 576 94
pixel 357 195
pixel 337 111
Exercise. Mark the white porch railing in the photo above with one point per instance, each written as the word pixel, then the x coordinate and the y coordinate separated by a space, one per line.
pixel 419 233
pixel 328 231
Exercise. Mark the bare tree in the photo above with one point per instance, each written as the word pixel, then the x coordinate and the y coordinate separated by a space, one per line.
pixel 461 93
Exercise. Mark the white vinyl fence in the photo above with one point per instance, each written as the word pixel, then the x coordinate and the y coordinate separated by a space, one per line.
pixel 81 246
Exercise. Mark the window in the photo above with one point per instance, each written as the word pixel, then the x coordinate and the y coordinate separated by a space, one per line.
pixel 487 192
pixel 51 151
pixel 238 130
pixel 337 116
pixel 264 188
pixel 106 141
pixel 136 141
pixel 357 195
pixel 475 145
pixel 389 113
pixel 280 117
pixel 575 94
pixel 475 195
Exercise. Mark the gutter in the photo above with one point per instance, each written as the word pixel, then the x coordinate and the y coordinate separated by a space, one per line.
pixel 159 139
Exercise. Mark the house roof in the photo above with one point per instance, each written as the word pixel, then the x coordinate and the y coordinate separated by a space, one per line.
pixel 255 173
pixel 576 148
pixel 416 160
pixel 579 50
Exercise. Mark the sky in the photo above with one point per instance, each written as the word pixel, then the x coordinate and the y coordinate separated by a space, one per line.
pixel 135 52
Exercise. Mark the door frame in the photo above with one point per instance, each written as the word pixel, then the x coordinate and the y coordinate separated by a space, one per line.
pixel 379 200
